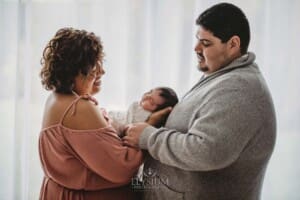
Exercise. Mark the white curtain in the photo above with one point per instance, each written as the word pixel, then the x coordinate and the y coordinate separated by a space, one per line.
pixel 147 43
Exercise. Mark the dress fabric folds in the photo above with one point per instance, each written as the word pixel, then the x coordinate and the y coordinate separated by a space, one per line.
pixel 86 164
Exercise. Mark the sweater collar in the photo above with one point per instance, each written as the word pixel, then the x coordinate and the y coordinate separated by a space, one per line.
pixel 241 61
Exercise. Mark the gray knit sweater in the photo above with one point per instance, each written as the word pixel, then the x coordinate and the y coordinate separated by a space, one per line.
pixel 217 140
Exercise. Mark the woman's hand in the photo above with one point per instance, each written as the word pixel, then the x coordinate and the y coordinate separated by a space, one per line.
pixel 158 118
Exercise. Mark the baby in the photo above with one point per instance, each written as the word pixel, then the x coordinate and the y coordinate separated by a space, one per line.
pixel 154 100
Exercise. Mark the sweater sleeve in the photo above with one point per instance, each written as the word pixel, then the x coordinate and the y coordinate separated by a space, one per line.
pixel 219 132
pixel 103 153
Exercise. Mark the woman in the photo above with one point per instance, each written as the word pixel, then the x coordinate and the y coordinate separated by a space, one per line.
pixel 81 154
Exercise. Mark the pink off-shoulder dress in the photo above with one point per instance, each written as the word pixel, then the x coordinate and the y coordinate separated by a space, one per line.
pixel 85 164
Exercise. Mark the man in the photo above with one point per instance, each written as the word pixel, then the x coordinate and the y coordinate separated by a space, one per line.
pixel 218 139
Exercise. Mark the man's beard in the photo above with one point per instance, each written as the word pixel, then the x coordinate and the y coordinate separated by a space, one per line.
pixel 203 69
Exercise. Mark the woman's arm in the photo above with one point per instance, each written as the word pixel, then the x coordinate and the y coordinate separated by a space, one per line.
pixel 100 150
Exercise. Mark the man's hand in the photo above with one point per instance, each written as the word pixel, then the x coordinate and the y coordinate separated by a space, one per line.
pixel 133 132
pixel 158 118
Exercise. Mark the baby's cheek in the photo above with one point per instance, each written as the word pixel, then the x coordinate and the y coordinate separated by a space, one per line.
pixel 146 105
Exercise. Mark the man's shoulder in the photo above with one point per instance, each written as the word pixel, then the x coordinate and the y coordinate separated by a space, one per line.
pixel 239 78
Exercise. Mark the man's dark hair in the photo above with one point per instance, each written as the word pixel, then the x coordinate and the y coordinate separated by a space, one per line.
pixel 225 20
pixel 169 96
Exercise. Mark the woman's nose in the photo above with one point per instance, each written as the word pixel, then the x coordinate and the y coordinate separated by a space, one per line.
pixel 102 71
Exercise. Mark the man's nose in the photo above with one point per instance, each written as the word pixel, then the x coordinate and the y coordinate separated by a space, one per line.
pixel 198 47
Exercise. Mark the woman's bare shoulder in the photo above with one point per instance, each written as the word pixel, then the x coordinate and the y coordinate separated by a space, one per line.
pixel 55 107
pixel 85 115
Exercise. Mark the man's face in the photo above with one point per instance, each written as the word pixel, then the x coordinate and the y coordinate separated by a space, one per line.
pixel 211 52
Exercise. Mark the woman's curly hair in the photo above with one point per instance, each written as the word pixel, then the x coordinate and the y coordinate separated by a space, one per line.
pixel 67 54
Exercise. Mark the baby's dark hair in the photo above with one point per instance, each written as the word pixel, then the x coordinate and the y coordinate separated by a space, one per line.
pixel 169 96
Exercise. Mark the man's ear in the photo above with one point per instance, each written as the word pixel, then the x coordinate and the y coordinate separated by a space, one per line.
pixel 235 43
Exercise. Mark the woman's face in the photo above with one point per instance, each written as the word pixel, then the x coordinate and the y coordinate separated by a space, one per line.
pixel 90 84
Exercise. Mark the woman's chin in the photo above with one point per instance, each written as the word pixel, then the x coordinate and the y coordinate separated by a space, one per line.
pixel 96 89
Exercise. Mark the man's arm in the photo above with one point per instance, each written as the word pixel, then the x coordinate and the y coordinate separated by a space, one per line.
pixel 159 118
pixel 156 119
pixel 215 139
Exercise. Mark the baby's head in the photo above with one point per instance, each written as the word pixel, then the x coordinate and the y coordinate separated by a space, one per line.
pixel 159 98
